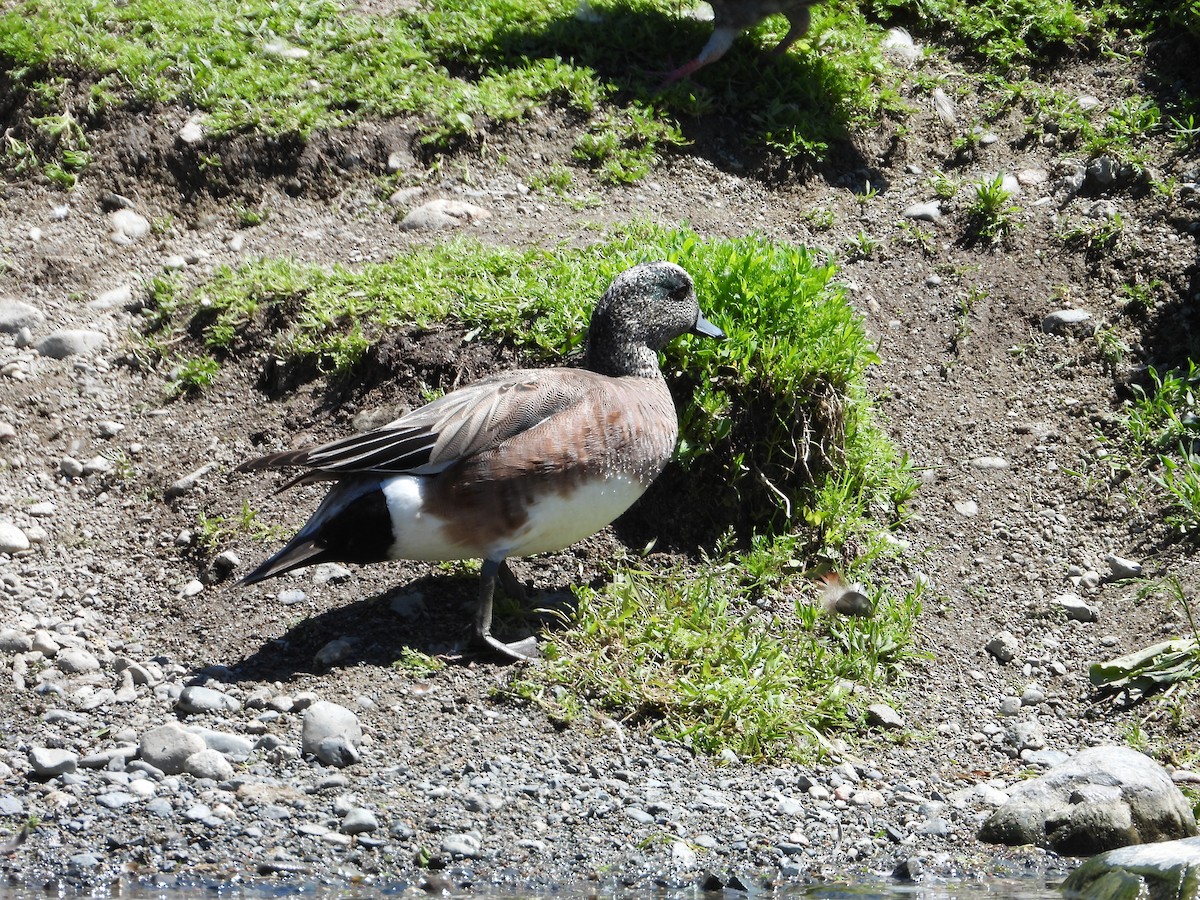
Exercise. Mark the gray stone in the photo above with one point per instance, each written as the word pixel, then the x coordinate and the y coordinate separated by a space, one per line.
pixel 169 746
pixel 13 641
pixel 331 733
pixel 1075 608
pixel 76 661
pixel 469 845
pixel 1003 646
pixel 1123 568
pixel 336 651
pixel 989 462
pixel 1101 799
pixel 195 699
pixel 1064 321
pixel 208 763
pixel 15 315
pixel 928 211
pixel 359 821
pixel 443 213
pixel 1104 170
pixel 12 539
pixel 233 747
pixel 1140 872
pixel 128 226
pixel 48 762
pixel 880 715
pixel 71 342
pixel 116 799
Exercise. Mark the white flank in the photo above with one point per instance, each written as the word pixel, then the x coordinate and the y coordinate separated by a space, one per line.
pixel 554 522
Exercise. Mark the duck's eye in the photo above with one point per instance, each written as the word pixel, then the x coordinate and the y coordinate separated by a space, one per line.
pixel 680 293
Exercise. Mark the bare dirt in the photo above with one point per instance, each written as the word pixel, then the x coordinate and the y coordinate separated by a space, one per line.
pixel 950 387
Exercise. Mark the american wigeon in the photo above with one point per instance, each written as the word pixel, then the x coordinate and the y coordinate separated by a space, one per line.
pixel 730 17
pixel 527 461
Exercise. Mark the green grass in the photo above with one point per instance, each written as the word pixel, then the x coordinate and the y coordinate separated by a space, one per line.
pixel 781 467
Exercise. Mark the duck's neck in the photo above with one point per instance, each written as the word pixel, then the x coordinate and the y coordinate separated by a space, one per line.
pixel 627 361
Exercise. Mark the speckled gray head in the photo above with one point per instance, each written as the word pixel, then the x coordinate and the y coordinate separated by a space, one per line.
pixel 643 309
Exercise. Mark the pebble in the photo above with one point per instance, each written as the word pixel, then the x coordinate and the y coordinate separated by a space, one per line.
pixel 966 508
pixel 67 342
pixel 168 747
pixel 12 539
pixel 16 315
pixel 1003 646
pixel 127 226
pixel 1123 568
pixel 359 821
pixel 989 462
pixel 1065 321
pixel 466 844
pixel 48 762
pixel 331 733
pixel 76 661
pixel 14 641
pixel 683 856
pixel 880 715
pixel 336 651
pixel 1010 706
pixel 114 298
pixel 195 699
pixel 209 763
pixel 1075 608
pixel 441 214
pixel 192 131
pixel 927 211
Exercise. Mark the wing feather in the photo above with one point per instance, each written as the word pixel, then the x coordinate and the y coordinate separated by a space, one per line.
pixel 470 420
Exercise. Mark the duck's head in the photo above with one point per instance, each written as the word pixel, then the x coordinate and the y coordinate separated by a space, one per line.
pixel 644 309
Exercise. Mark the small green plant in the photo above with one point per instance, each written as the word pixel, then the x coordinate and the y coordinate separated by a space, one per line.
pixel 418 664
pixel 944 186
pixel 249 216
pixel 193 375
pixel 1112 347
pixel 862 245
pixel 963 307
pixel 622 146
pixel 213 531
pixel 1139 298
pixel 819 219
pixel 990 215
pixel 556 178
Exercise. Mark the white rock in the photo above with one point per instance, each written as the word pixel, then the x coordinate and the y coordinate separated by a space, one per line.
pixel 989 462
pixel 192 131
pixel 128 226
pixel 15 315
pixel 76 661
pixel 331 733
pixel 208 763
pixel 928 211
pixel 1123 568
pixel 1076 608
pixel 48 762
pixel 443 213
pixel 71 342
pixel 1003 646
pixel 12 539
pixel 115 298
pixel 169 746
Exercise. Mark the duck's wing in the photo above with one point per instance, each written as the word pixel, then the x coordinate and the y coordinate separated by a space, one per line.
pixel 465 422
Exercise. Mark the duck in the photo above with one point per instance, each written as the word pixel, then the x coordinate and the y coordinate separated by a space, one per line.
pixel 523 462
pixel 731 17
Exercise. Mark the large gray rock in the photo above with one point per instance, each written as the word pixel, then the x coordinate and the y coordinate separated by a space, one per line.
pixel 1101 799
pixel 1166 871
pixel 169 746
pixel 331 733
pixel 71 342
pixel 15 315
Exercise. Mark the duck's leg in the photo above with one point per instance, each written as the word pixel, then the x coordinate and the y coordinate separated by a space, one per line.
pixel 798 22
pixel 522 650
